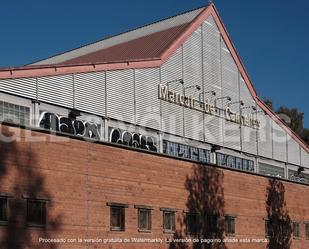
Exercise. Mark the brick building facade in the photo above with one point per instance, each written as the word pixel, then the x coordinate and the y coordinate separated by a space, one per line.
pixel 78 180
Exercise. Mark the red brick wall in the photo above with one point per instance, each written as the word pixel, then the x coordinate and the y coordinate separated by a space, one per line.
pixel 80 177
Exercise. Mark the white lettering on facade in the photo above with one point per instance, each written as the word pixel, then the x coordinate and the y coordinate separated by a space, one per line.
pixel 206 107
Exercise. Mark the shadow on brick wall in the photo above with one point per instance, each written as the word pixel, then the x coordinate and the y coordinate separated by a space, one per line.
pixel 280 229
pixel 205 199
pixel 18 164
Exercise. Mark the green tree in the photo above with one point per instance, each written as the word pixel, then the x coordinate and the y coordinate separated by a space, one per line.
pixel 305 135
pixel 269 103
pixel 279 222
pixel 295 119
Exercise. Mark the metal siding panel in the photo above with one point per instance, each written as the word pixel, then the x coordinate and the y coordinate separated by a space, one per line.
pixel 230 84
pixel 304 158
pixel 89 91
pixel 248 135
pixel 279 140
pixel 244 93
pixel 193 124
pixel 249 139
pixel 146 97
pixel 56 90
pixel 213 129
pixel 211 58
pixel 120 95
pixel 230 87
pixel 25 87
pixel 264 135
pixel 293 151
pixel 192 52
pixel 172 115
pixel 231 135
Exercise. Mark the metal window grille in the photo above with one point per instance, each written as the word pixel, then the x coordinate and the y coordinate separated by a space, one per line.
pixel 144 219
pixel 36 212
pixel 229 225
pixel 169 221
pixel 14 113
pixel 117 218
pixel 3 209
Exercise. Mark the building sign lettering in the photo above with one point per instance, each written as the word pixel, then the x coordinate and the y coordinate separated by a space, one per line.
pixel 206 107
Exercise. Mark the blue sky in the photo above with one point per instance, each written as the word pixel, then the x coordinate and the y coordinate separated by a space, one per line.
pixel 272 37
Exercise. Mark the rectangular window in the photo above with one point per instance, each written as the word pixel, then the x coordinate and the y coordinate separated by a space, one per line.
pixel 169 148
pixel 246 165
pixel 221 159
pixel 169 221
pixel 144 219
pixel 212 225
pixel 191 223
pixel 186 151
pixel 234 162
pixel 14 113
pixel 250 166
pixel 36 212
pixel 271 170
pixel 204 156
pixel 194 154
pixel 268 228
pixel 301 177
pixel 117 218
pixel 229 225
pixel 307 230
pixel 3 209
pixel 230 161
pixel 296 230
pixel 239 163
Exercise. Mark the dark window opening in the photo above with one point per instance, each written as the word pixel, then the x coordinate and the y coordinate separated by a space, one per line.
pixel 144 219
pixel 117 218
pixel 296 230
pixel 212 225
pixel 229 225
pixel 36 212
pixel 169 221
pixel 192 223
pixel 268 228
pixel 307 230
pixel 3 209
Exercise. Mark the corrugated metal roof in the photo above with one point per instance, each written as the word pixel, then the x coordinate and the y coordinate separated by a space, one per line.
pixel 135 34
pixel 147 47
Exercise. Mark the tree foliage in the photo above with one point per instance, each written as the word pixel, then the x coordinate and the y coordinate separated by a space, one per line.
pixel 280 224
pixel 292 117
